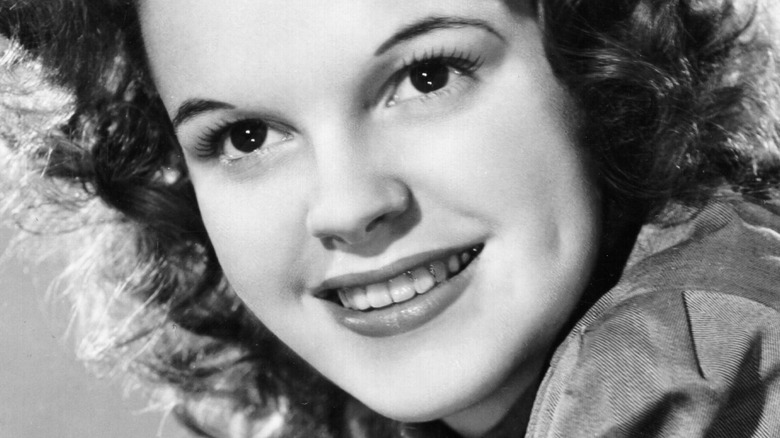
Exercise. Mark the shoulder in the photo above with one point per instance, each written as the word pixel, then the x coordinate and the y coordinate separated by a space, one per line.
pixel 667 363
pixel 687 343
pixel 713 295
pixel 698 333
pixel 730 248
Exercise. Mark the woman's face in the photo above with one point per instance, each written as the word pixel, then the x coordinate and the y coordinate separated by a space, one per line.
pixel 391 186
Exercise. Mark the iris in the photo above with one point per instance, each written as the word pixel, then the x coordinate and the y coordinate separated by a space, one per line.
pixel 249 135
pixel 428 77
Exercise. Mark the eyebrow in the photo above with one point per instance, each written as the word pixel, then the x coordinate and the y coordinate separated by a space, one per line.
pixel 192 108
pixel 430 24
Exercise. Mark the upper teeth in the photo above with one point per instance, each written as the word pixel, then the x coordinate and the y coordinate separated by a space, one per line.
pixel 405 286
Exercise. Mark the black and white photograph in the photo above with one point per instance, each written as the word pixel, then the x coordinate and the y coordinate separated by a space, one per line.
pixel 389 218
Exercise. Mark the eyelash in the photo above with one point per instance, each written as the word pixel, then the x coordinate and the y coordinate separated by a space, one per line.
pixel 207 145
pixel 464 62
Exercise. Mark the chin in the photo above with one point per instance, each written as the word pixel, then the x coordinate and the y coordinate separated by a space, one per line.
pixel 428 401
pixel 421 409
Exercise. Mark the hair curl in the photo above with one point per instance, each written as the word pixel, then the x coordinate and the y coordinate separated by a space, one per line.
pixel 679 101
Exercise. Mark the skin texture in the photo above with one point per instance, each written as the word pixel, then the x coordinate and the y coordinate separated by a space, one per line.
pixel 351 180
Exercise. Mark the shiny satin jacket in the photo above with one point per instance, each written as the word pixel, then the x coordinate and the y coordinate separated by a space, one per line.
pixel 687 344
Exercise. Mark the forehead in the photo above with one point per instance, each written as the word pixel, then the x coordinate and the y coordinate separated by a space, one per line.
pixel 273 22
pixel 194 40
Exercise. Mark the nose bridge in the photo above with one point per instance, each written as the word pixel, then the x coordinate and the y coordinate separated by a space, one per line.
pixel 354 194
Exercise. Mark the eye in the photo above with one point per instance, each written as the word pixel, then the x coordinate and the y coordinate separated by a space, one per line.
pixel 431 77
pixel 246 137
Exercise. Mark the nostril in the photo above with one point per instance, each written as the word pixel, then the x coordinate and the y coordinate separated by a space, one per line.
pixel 396 209
pixel 349 217
pixel 328 242
pixel 374 223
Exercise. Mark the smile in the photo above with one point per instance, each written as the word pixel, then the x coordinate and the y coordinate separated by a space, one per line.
pixel 404 287
pixel 402 297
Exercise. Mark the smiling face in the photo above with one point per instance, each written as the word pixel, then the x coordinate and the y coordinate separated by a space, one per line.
pixel 391 186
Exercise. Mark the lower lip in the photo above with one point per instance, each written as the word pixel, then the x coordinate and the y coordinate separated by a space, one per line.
pixel 409 315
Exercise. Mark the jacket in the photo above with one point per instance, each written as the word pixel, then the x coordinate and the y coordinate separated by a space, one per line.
pixel 687 344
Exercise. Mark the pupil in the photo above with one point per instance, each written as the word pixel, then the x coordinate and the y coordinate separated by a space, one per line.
pixel 249 135
pixel 429 76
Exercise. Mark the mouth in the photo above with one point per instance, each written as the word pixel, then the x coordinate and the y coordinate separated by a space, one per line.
pixel 413 281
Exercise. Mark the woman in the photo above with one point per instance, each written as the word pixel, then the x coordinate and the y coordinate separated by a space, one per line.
pixel 323 216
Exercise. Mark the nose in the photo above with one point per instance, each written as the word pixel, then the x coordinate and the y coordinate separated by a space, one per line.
pixel 354 202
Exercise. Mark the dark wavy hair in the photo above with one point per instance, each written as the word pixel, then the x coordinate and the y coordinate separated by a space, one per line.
pixel 679 105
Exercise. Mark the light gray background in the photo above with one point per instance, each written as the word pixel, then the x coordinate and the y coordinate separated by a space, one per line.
pixel 44 391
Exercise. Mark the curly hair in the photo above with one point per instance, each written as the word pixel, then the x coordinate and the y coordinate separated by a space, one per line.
pixel 679 100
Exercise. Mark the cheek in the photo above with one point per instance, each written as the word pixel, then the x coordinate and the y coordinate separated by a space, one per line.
pixel 512 154
pixel 258 232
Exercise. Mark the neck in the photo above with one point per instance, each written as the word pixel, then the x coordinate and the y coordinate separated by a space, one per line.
pixel 506 410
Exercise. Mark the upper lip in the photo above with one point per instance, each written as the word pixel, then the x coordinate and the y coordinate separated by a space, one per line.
pixel 387 272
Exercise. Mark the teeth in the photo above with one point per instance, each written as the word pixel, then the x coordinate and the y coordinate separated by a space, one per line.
pixel 345 299
pixel 454 264
pixel 405 286
pixel 401 288
pixel 439 271
pixel 423 280
pixel 359 298
pixel 378 295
